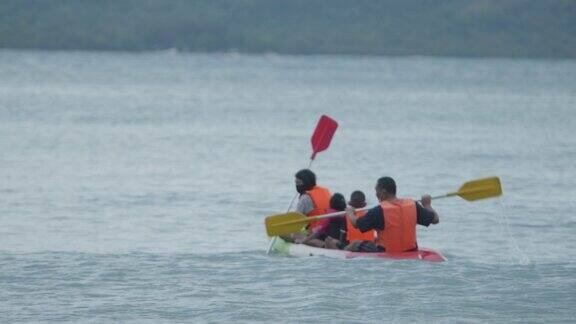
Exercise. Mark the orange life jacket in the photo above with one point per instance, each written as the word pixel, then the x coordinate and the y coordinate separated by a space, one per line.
pixel 399 233
pixel 353 234
pixel 321 200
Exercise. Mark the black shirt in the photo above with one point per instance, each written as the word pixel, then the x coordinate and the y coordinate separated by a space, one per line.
pixel 337 225
pixel 374 218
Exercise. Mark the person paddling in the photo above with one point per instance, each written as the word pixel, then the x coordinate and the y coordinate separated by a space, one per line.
pixel 394 220
pixel 313 200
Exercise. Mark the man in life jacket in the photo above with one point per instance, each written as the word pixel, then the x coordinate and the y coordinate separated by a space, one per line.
pixel 313 200
pixel 394 220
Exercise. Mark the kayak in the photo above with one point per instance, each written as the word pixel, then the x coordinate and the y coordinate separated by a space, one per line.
pixel 301 250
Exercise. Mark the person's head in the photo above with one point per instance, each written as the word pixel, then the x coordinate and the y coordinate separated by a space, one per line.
pixel 338 202
pixel 305 180
pixel 357 199
pixel 385 188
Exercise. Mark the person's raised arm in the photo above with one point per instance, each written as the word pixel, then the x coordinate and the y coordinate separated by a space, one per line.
pixel 427 203
pixel 351 214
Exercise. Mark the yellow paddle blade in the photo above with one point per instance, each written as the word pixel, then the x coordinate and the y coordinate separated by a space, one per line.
pixel 480 189
pixel 283 224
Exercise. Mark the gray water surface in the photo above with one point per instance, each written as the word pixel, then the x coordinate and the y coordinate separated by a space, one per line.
pixel 133 187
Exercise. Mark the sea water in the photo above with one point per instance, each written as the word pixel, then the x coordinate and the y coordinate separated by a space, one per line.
pixel 134 186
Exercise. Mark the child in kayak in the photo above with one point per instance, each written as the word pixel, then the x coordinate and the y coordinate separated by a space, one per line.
pixel 329 227
pixel 362 241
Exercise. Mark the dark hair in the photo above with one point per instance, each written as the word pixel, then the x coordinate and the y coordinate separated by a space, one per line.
pixel 358 196
pixel 357 199
pixel 387 184
pixel 337 201
pixel 308 178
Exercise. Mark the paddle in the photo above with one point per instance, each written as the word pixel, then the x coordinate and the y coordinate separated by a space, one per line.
pixel 322 136
pixel 287 223
pixel 477 189
pixel 320 141
pixel 292 222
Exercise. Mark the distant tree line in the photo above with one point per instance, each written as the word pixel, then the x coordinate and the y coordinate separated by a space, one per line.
pixel 504 28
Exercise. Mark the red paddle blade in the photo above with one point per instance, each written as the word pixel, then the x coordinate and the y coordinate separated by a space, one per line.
pixel 323 134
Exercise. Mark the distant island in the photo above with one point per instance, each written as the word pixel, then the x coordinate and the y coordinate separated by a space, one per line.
pixel 462 28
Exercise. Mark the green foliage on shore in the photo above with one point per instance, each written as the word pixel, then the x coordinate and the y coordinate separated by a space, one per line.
pixel 511 28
